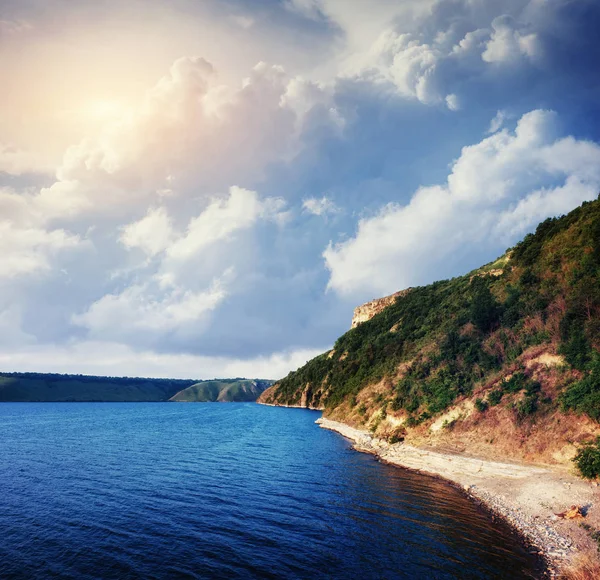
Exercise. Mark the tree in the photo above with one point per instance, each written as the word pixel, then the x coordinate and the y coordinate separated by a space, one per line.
pixel 485 311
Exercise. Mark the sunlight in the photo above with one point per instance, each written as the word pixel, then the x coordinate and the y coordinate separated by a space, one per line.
pixel 103 109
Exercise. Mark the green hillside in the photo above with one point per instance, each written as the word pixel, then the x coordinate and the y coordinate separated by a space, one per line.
pixel 521 335
pixel 222 391
pixel 45 387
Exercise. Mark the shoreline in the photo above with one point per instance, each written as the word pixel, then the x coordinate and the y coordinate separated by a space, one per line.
pixel 527 497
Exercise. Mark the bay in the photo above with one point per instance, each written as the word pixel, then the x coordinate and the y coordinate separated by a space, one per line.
pixel 164 490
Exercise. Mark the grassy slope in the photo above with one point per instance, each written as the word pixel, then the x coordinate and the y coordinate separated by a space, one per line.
pixel 222 391
pixel 32 387
pixel 449 350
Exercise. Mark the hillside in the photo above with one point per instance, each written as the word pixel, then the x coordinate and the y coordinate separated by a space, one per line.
pixel 45 387
pixel 222 391
pixel 504 361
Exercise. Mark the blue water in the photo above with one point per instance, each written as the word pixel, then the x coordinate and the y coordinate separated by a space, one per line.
pixel 224 491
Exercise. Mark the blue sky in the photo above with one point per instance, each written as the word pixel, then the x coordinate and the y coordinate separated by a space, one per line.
pixel 208 189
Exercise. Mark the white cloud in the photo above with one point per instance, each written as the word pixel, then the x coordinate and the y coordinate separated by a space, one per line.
pixel 95 357
pixel 320 206
pixel 25 250
pixel 189 133
pixel 497 122
pixel 140 308
pixel 508 44
pixel 192 272
pixel 222 218
pixel 453 102
pixel 497 190
pixel 152 234
pixel 433 57
pixel 15 161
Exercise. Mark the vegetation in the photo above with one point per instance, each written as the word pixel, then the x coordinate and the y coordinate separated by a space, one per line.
pixel 46 387
pixel 239 390
pixel 481 405
pixel 448 339
pixel 588 460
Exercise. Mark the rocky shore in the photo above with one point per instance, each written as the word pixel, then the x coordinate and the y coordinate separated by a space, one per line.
pixel 528 497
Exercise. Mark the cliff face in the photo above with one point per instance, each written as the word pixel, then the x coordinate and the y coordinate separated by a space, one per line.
pixel 307 398
pixel 490 362
pixel 374 307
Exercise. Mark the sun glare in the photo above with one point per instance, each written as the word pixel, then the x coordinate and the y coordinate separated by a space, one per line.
pixel 104 109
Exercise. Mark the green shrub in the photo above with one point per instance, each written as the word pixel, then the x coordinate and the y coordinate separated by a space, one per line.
pixel 575 346
pixel 485 311
pixel 516 383
pixel 481 405
pixel 527 406
pixel 584 395
pixel 495 397
pixel 587 460
pixel 532 388
pixel 411 421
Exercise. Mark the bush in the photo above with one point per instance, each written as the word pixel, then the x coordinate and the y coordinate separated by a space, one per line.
pixel 587 460
pixel 411 421
pixel 495 397
pixel 528 406
pixel 481 405
pixel 584 396
pixel 515 384
pixel 576 349
pixel 485 311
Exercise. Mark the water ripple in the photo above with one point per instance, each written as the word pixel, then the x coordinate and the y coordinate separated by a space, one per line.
pixel 224 491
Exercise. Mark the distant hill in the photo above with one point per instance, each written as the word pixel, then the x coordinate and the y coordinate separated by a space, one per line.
pixel 49 387
pixel 502 362
pixel 224 391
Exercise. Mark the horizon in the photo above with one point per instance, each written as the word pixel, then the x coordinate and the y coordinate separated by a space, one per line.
pixel 176 205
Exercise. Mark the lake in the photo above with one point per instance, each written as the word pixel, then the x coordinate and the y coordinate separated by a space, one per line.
pixel 165 490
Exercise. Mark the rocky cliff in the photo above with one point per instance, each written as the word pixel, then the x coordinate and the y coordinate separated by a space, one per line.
pixel 374 307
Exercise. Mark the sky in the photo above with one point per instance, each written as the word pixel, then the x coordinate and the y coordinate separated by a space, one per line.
pixel 207 189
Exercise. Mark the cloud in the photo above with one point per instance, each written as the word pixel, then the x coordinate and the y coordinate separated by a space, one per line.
pixel 191 275
pixel 311 9
pixel 498 189
pixel 453 102
pixel 152 234
pixel 15 161
pixel 189 134
pixel 29 250
pixel 475 50
pixel 320 206
pixel 509 44
pixel 139 309
pixel 95 357
pixel 497 122
pixel 222 218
